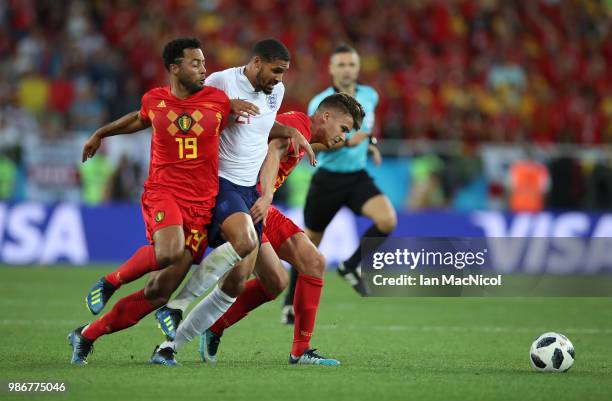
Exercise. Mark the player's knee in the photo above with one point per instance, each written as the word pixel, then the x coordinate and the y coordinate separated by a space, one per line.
pixel 246 243
pixel 387 223
pixel 315 265
pixel 167 256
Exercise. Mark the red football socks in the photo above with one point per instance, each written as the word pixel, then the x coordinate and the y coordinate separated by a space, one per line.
pixel 305 305
pixel 253 295
pixel 127 312
pixel 142 262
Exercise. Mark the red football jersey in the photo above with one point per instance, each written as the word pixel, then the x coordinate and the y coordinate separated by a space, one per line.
pixel 302 123
pixel 185 142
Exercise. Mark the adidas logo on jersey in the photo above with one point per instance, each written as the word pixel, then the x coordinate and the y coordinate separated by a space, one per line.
pixel 161 104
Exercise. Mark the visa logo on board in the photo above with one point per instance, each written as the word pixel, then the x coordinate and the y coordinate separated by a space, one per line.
pixel 571 242
pixel 32 233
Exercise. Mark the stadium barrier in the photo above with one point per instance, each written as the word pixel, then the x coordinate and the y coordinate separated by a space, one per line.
pixel 37 233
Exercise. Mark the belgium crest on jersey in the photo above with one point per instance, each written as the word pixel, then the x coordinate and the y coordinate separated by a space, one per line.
pixel 159 216
pixel 184 122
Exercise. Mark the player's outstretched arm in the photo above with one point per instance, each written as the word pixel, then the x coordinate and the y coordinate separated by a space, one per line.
pixel 277 149
pixel 297 140
pixel 127 124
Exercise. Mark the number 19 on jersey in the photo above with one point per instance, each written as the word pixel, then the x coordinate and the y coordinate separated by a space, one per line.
pixel 187 147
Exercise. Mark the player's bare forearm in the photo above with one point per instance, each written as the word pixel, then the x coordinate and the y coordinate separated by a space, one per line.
pixel 127 124
pixel 279 131
pixel 277 149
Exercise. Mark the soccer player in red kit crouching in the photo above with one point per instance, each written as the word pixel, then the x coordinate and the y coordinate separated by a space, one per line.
pixel 179 194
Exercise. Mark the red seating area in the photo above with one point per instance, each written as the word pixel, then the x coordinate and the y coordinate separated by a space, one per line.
pixel 475 70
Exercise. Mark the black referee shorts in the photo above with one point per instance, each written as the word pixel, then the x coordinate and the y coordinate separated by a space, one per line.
pixel 330 191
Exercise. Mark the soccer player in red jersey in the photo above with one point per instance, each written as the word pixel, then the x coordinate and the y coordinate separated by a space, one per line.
pixel 179 194
pixel 336 116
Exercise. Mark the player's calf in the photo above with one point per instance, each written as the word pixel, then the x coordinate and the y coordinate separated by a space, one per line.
pixel 163 283
pixel 275 282
pixel 234 281
pixel 303 255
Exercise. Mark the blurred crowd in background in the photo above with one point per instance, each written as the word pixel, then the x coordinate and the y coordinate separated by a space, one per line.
pixel 498 104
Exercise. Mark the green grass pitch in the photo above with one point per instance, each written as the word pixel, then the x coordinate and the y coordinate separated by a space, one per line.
pixel 391 349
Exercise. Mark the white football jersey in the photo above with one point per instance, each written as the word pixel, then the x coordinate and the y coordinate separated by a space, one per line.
pixel 244 141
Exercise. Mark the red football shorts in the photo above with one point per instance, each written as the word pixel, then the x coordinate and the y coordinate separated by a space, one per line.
pixel 161 209
pixel 278 228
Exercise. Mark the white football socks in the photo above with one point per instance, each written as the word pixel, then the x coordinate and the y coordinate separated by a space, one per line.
pixel 205 313
pixel 215 265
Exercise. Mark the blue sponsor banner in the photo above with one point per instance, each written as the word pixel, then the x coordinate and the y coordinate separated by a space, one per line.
pixel 113 232
pixel 36 233
pixel 499 224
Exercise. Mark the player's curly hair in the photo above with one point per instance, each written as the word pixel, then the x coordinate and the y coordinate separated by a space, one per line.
pixel 173 51
pixel 271 50
pixel 345 103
